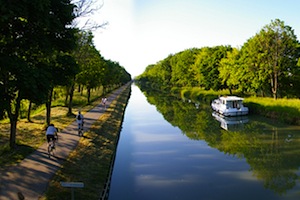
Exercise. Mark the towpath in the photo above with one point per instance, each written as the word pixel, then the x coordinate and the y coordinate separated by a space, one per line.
pixel 32 175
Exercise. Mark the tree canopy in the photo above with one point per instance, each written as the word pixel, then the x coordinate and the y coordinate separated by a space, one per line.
pixel 39 50
pixel 267 64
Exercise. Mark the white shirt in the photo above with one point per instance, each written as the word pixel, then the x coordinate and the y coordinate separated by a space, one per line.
pixel 51 130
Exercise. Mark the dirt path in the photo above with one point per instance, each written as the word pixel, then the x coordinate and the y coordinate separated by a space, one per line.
pixel 32 175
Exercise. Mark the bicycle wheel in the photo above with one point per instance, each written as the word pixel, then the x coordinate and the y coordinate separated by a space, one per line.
pixel 80 130
pixel 49 150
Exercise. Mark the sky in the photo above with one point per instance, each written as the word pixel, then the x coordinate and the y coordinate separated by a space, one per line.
pixel 143 32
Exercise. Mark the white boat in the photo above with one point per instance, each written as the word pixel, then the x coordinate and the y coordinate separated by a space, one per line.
pixel 229 106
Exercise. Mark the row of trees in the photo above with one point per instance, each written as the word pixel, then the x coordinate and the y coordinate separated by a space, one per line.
pixel 40 50
pixel 267 64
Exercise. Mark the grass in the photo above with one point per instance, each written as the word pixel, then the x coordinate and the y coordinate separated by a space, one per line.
pixel 203 95
pixel 90 162
pixel 30 135
pixel 284 110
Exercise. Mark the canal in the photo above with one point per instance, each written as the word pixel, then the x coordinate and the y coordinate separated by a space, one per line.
pixel 176 149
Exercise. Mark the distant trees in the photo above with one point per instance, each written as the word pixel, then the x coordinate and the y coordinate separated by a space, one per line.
pixel 267 64
pixel 94 70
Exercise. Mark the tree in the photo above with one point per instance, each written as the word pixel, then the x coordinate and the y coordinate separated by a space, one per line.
pixel 166 71
pixel 91 70
pixel 207 66
pixel 65 72
pixel 228 65
pixel 182 71
pixel 30 31
pixel 84 10
pixel 275 48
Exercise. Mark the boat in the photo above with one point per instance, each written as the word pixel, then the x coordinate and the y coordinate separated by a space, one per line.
pixel 229 106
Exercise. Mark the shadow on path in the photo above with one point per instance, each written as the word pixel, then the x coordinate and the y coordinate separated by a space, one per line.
pixel 31 176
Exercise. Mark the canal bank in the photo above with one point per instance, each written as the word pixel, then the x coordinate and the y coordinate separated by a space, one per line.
pixel 31 180
pixel 286 110
pixel 90 163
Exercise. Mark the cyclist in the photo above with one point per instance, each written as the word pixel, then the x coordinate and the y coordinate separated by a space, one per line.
pixel 79 119
pixel 51 133
pixel 103 101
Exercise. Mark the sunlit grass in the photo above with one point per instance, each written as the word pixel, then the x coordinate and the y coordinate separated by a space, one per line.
pixel 30 135
pixel 90 161
pixel 197 93
pixel 266 101
pixel 285 110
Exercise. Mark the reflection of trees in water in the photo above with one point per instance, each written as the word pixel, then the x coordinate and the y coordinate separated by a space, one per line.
pixel 277 163
pixel 269 150
pixel 270 157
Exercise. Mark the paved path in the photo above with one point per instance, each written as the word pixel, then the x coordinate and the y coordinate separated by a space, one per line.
pixel 32 175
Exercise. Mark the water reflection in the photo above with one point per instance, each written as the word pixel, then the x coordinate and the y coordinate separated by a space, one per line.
pixel 231 123
pixel 271 149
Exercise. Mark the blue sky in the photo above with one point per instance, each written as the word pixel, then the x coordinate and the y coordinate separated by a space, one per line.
pixel 143 32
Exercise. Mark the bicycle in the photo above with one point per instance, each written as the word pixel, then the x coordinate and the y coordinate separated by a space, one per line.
pixel 51 146
pixel 80 129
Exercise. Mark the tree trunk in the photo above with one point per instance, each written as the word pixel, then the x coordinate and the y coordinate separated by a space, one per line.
pixel 67 95
pixel 29 111
pixel 89 95
pixel 48 107
pixel 103 90
pixel 13 114
pixel 81 91
pixel 13 133
pixel 71 93
pixel 274 85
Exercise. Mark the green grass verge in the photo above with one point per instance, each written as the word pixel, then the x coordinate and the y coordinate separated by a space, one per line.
pixel 284 110
pixel 90 161
pixel 31 135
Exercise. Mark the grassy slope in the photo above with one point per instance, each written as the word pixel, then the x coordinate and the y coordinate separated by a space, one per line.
pixel 285 110
pixel 90 162
pixel 31 135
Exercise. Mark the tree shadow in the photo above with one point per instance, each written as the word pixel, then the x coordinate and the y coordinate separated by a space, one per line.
pixel 14 155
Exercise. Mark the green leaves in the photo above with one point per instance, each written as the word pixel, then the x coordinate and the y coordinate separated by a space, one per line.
pixel 272 53
pixel 31 34
pixel 265 65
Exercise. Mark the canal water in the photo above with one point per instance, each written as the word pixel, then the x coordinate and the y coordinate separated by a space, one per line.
pixel 176 149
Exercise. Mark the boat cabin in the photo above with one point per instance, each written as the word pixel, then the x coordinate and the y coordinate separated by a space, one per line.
pixel 229 106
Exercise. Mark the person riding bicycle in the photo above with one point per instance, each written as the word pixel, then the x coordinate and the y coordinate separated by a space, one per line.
pixel 51 133
pixel 79 119
pixel 103 101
